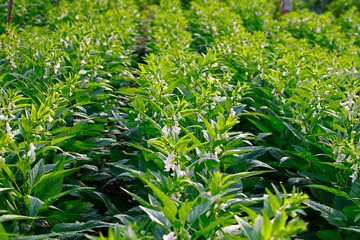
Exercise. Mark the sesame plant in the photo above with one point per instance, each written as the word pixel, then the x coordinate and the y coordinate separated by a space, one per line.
pixel 169 119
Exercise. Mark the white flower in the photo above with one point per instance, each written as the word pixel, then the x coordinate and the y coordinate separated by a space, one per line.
pixel 303 128
pixel 214 156
pixel 177 169
pixel 171 166
pixel 347 108
pixel 354 176
pixel 13 64
pixel 138 118
pixel 347 105
pixel 82 72
pixel 97 42
pixel 166 131
pixel 170 236
pixel 65 43
pixel 174 198
pixel 223 206
pixel 39 128
pixel 199 119
pixel 56 68
pixel 232 112
pixel 343 103
pixel 31 153
pixel 340 157
pixel 218 150
pixel 176 130
pixel 31 149
pixel 103 114
pixel 50 118
pixel 82 62
pixel 8 130
pixel 2 117
pixel 168 164
pixel 314 114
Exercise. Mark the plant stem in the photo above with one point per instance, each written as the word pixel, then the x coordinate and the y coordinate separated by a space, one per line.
pixel 9 16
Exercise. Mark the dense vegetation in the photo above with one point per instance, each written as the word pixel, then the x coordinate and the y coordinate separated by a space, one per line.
pixel 203 119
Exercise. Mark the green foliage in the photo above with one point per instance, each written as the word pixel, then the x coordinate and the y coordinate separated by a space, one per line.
pixel 173 119
pixel 273 222
pixel 57 109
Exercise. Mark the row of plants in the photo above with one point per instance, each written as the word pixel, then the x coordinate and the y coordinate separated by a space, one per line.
pixel 60 118
pixel 185 109
pixel 297 103
pixel 307 93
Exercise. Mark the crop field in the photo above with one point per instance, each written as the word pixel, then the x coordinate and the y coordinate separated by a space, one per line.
pixel 179 119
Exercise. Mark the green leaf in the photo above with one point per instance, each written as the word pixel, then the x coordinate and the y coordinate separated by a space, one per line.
pixel 157 216
pixel 139 104
pixel 25 126
pixel 9 217
pixel 252 214
pixel 239 151
pixel 279 221
pixel 39 237
pixel 352 229
pixel 246 227
pixel 243 175
pixel 50 184
pixel 61 139
pixel 331 190
pixel 137 198
pixel 56 197
pixel 220 123
pixel 275 204
pixel 6 190
pixel 169 209
pixel 333 216
pixel 355 191
pixel 78 226
pixel 209 127
pixel 185 210
pixel 258 227
pixel 36 173
pixel 267 228
pixel 3 234
pixel 128 91
pixel 329 234
pixel 198 211
pixel 317 176
pixel 34 205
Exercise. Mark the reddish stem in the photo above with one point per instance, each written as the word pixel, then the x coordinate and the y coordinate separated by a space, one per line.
pixel 10 8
